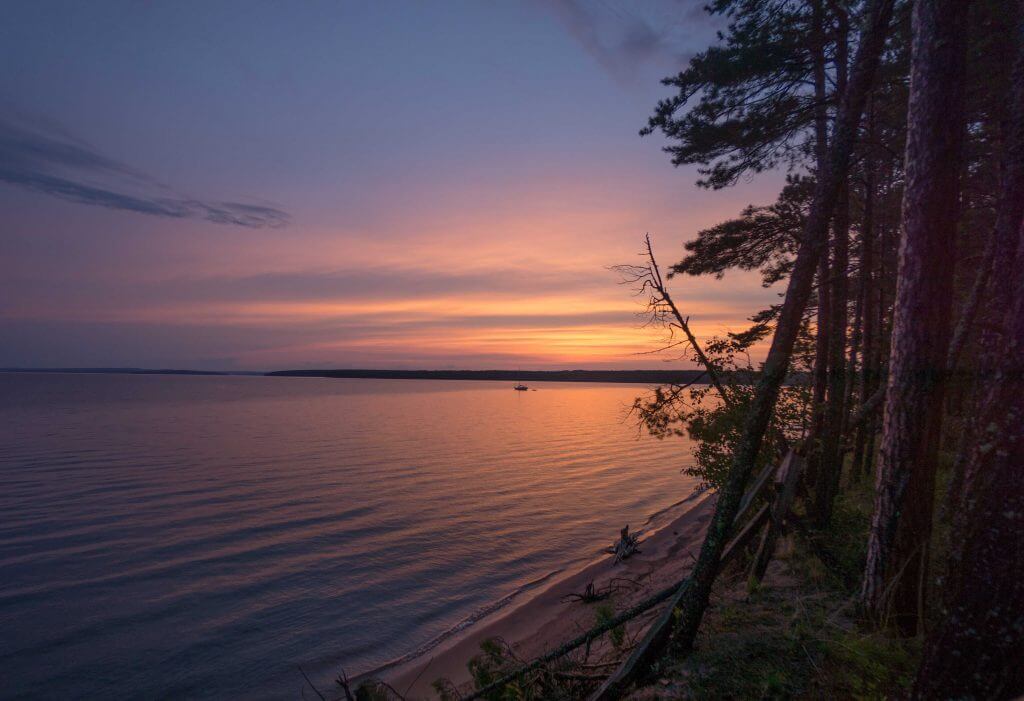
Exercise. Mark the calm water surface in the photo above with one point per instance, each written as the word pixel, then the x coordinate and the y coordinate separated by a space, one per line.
pixel 170 536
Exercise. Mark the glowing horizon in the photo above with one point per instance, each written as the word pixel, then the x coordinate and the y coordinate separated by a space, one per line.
pixel 272 207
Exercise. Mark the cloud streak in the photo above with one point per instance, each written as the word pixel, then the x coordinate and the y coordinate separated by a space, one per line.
pixel 58 166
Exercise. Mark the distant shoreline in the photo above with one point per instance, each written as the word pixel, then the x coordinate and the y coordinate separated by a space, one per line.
pixel 121 371
pixel 622 376
pixel 625 376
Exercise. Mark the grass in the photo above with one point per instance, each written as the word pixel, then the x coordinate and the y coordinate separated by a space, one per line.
pixel 796 636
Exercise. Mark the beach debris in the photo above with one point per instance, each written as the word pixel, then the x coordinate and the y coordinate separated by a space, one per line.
pixel 311 685
pixel 628 544
pixel 592 594
pixel 373 690
pixel 589 594
pixel 342 681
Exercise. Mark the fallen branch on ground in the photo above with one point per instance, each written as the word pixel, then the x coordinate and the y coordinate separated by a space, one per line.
pixel 591 594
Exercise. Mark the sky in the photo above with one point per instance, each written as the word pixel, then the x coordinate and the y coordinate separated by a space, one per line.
pixel 266 185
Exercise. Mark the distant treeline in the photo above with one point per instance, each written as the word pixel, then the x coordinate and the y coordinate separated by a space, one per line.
pixel 125 371
pixel 634 376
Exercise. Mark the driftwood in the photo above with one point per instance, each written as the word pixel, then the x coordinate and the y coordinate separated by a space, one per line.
pixel 627 669
pixel 342 681
pixel 626 545
pixel 579 641
pixel 658 633
pixel 591 594
pixel 626 672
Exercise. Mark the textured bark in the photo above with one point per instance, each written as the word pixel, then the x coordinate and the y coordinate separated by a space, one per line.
pixel 1003 268
pixel 998 254
pixel 813 240
pixel 867 295
pixel 831 450
pixel 978 649
pixel 820 380
pixel 821 351
pixel 901 525
pixel 835 408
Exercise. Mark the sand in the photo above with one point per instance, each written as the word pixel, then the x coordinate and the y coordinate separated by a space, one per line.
pixel 543 621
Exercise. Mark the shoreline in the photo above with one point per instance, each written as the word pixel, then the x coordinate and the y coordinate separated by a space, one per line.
pixel 643 377
pixel 542 620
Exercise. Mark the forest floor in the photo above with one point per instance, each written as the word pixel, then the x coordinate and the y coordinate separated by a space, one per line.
pixel 797 634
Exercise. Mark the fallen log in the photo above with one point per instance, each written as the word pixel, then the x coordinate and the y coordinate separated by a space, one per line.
pixel 789 476
pixel 579 641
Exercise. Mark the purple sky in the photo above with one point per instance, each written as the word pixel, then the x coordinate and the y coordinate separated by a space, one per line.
pixel 262 185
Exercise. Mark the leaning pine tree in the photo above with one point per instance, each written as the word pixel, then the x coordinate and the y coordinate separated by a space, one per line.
pixel 878 15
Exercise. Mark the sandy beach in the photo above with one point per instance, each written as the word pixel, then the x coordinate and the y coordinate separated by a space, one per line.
pixel 546 619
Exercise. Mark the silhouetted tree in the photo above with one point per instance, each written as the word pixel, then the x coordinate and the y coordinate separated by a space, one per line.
pixel 977 650
pixel 902 523
pixel 813 241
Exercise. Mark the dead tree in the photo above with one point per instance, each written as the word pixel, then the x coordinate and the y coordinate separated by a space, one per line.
pixel 901 525
pixel 662 310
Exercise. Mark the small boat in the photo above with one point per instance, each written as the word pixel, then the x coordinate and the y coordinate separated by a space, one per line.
pixel 520 387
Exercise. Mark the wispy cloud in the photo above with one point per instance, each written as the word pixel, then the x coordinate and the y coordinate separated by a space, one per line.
pixel 623 41
pixel 53 163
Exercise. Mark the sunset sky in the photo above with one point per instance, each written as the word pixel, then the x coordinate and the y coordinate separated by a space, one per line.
pixel 268 185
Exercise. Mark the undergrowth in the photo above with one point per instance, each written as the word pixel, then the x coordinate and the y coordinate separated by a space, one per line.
pixel 798 635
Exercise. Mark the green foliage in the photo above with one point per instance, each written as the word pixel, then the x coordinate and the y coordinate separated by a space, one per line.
pixel 745 105
pixel 604 613
pixel 842 546
pixel 716 425
pixel 796 635
pixel 762 648
pixel 793 643
pixel 373 690
pixel 560 679
pixel 762 238
pixel 494 661
pixel 869 665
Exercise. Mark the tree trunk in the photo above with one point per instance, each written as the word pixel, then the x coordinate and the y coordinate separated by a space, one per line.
pixel 1003 266
pixel 901 525
pixel 813 241
pixel 867 294
pixel 821 336
pixel 978 650
pixel 831 453
pixel 835 408
pixel 1002 274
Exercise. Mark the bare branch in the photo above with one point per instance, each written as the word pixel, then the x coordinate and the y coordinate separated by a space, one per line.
pixel 662 310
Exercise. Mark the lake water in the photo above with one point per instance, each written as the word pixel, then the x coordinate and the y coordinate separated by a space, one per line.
pixel 176 536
